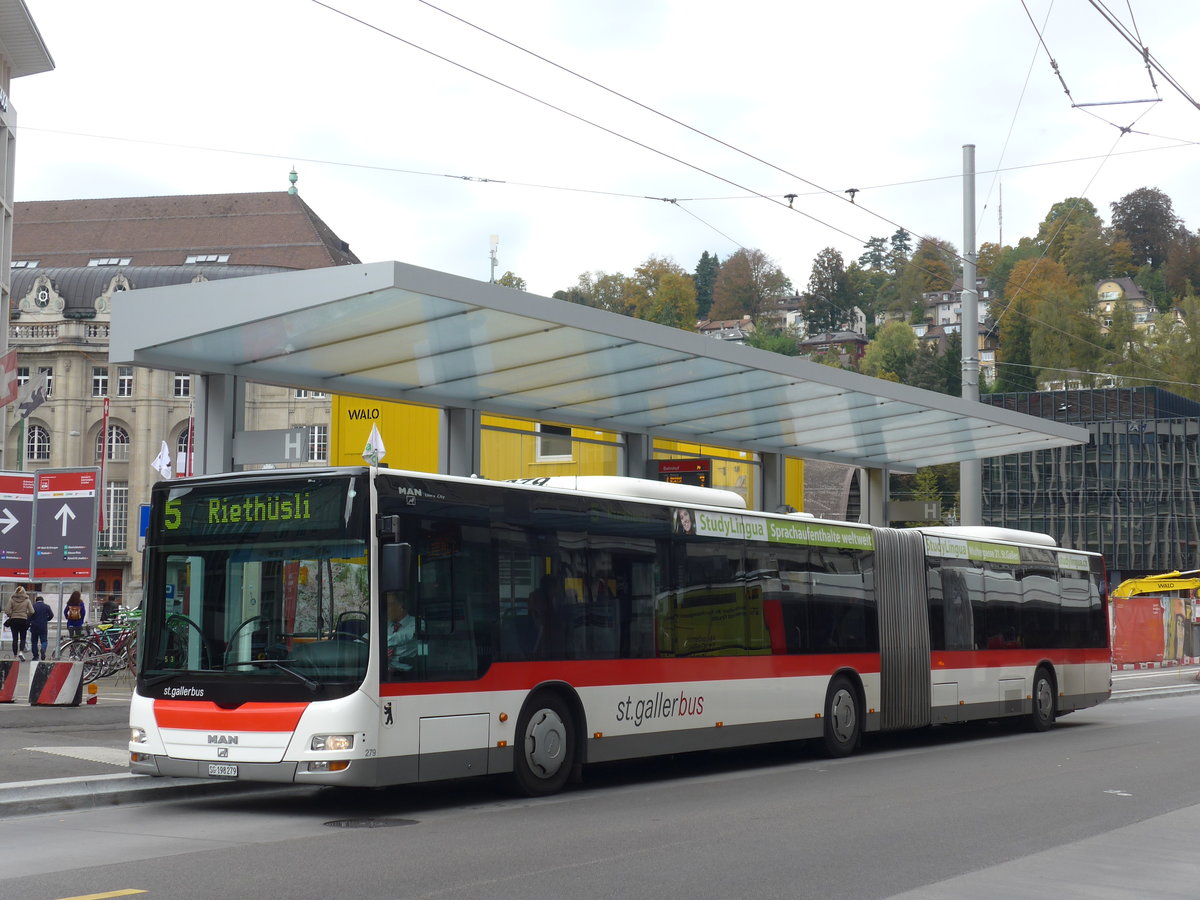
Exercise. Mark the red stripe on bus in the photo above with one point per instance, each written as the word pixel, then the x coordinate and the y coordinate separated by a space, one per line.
pixel 994 659
pixel 204 715
pixel 602 673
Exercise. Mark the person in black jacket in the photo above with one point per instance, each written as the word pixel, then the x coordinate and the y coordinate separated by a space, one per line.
pixel 39 627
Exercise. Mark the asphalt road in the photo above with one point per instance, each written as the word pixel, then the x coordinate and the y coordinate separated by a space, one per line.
pixel 1104 805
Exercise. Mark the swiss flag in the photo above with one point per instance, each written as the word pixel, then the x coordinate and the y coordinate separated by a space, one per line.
pixel 8 377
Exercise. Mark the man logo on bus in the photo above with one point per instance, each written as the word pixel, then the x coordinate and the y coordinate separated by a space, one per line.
pixel 387 714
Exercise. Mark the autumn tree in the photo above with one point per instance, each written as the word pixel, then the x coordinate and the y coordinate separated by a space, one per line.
pixel 661 291
pixel 748 283
pixel 1181 272
pixel 937 263
pixel 600 290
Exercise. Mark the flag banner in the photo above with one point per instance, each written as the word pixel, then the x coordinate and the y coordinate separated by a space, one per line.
pixel 33 394
pixel 162 462
pixel 8 377
pixel 374 451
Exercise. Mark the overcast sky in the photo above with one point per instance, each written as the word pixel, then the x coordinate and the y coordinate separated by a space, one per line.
pixel 392 143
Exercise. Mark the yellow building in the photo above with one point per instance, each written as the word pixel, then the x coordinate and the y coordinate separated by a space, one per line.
pixel 519 448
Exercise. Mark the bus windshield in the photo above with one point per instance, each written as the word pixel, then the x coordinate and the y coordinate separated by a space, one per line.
pixel 267 582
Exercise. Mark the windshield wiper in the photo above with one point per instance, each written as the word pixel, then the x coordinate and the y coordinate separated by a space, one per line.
pixel 313 686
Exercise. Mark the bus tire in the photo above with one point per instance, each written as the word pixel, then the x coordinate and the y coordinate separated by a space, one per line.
pixel 1041 717
pixel 545 751
pixel 843 718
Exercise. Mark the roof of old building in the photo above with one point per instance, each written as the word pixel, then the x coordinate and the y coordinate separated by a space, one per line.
pixel 80 287
pixel 273 228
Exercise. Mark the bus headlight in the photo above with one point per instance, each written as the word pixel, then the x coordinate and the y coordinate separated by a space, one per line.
pixel 137 735
pixel 332 742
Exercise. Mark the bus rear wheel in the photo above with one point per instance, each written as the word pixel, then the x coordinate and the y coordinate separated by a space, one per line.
pixel 843 719
pixel 1041 717
pixel 545 750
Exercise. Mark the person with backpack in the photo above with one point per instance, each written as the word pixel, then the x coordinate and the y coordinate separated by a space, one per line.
pixel 75 614
pixel 18 609
pixel 39 627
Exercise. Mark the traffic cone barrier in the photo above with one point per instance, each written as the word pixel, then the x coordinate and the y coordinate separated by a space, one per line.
pixel 93 690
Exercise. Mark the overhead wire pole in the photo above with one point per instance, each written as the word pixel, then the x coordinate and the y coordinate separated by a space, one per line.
pixel 970 472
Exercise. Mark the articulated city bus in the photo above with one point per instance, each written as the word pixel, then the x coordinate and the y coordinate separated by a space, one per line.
pixel 363 626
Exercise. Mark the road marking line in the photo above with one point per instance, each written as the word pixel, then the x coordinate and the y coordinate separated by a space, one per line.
pixel 106 894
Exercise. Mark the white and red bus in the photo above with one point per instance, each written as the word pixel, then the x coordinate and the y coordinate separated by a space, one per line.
pixel 561 622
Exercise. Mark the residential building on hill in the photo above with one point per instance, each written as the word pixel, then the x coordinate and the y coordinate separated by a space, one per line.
pixel 1113 293
pixel 70 259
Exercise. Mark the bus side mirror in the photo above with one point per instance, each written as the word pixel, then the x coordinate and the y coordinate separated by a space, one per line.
pixel 395 565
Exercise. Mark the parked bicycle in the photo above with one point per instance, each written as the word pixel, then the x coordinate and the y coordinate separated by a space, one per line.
pixel 106 650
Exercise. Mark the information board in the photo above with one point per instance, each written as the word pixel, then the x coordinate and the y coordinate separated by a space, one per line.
pixel 16 524
pixel 64 532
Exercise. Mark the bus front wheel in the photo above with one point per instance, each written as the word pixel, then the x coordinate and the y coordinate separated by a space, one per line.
pixel 545 750
pixel 1041 718
pixel 843 719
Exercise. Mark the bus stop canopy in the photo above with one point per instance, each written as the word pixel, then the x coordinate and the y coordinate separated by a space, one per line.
pixel 395 331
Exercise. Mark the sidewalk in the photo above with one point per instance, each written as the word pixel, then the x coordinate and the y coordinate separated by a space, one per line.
pixel 57 758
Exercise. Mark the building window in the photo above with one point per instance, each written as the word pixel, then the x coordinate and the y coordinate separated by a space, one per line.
pixel 37 444
pixel 118 445
pixel 183 384
pixel 24 264
pixel 318 443
pixel 124 381
pixel 553 443
pixel 116 516
pixel 201 259
pixel 99 381
pixel 23 377
pixel 110 261
pixel 302 394
pixel 181 451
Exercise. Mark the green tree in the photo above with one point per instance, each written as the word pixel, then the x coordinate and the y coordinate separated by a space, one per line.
pixel 827 301
pixel 706 278
pixel 950 366
pixel 1072 212
pixel 777 340
pixel 1066 337
pixel 924 371
pixel 749 283
pixel 1174 349
pixel 901 250
pixel 1014 359
pixel 509 280
pixel 600 290
pixel 1147 219
pixel 876 254
pixel 891 352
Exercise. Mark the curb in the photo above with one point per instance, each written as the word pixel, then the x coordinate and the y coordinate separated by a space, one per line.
pixel 99 791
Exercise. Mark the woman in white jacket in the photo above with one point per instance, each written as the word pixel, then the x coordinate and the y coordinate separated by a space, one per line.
pixel 18 609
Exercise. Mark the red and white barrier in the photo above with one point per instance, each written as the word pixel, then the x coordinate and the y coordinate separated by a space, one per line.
pixel 56 684
pixel 10 670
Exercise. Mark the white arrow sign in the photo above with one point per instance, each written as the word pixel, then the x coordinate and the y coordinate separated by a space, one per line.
pixel 8 521
pixel 66 515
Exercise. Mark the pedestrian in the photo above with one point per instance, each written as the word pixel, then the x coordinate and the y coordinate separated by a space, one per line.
pixel 39 627
pixel 75 614
pixel 108 612
pixel 19 609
